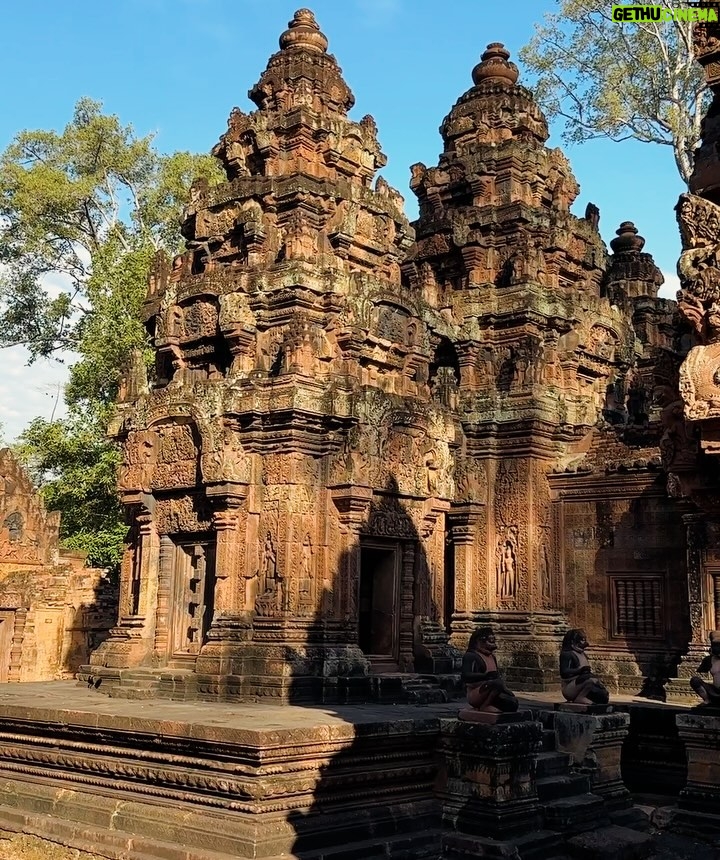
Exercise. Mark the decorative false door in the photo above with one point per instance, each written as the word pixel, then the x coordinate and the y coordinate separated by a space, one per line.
pixel 193 590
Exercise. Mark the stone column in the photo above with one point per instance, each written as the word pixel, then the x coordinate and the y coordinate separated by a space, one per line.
pixel 149 550
pixel 463 521
pixel 15 667
pixel 696 539
pixel 232 620
pixel 226 600
pixel 678 689
pixel 405 605
pixel 432 535
pixel 229 598
pixel 352 503
pixel 131 641
pixel 166 565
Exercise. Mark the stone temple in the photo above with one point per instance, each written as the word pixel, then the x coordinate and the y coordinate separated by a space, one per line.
pixel 366 437
pixel 366 440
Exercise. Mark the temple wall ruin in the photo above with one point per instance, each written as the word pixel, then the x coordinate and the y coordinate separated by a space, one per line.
pixel 54 610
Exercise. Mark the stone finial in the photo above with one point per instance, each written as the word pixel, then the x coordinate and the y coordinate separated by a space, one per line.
pixel 303 32
pixel 495 66
pixel 627 239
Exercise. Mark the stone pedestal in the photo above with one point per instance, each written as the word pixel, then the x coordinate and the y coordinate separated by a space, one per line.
pixel 529 643
pixel 487 786
pixel 595 743
pixel 699 801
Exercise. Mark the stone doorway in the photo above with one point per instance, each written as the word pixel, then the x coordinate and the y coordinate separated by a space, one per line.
pixel 192 598
pixel 7 627
pixel 378 617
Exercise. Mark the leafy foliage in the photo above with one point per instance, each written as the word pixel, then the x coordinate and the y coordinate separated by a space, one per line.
pixel 622 81
pixel 77 471
pixel 82 214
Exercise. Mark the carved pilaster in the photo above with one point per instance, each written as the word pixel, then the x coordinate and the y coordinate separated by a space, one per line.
pixel 407 581
pixel 463 521
pixel 696 542
pixel 166 564
pixel 229 599
pixel 353 505
pixel 678 689
pixel 16 646
pixel 432 534
pixel 143 592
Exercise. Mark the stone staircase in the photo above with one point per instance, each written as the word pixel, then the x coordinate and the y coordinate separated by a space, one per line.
pixel 587 829
pixel 568 805
pixel 425 690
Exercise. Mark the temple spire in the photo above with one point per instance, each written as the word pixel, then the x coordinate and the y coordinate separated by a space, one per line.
pixel 302 74
pixel 304 32
pixel 495 66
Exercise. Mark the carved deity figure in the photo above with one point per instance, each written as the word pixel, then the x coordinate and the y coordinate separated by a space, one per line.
pixel 308 551
pixel 507 572
pixel 14 526
pixel 269 560
pixel 577 681
pixel 709 692
pixel 274 591
pixel 486 691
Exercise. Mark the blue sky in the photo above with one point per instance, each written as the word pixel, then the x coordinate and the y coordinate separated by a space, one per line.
pixel 177 67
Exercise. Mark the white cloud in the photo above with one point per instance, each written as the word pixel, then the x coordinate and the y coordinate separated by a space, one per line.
pixel 35 390
pixel 670 287
pixel 30 391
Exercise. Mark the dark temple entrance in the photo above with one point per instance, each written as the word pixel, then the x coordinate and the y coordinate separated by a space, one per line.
pixel 378 628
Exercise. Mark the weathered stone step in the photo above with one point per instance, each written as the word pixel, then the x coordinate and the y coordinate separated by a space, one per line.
pixel 538 845
pixel 423 845
pixel 634 817
pixel 552 764
pixel 567 785
pixel 131 693
pixel 611 843
pixel 548 740
pixel 575 814
pixel 547 718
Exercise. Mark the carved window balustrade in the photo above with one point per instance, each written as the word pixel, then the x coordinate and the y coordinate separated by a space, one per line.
pixel 637 606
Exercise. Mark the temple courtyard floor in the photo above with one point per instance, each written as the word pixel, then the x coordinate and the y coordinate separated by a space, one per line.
pixel 68 701
pixel 84 776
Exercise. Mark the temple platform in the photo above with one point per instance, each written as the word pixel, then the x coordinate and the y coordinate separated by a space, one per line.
pixel 164 780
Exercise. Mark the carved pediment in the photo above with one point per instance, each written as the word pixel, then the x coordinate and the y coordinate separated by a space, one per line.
pixel 700 382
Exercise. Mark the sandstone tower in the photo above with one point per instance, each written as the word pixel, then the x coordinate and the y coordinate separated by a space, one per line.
pixel 363 439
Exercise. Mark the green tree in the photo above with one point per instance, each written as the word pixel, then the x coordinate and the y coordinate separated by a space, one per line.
pixel 622 81
pixel 87 208
pixel 76 469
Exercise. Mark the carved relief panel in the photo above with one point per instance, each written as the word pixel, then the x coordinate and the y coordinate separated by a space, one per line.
pixel 176 457
pixel 511 533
